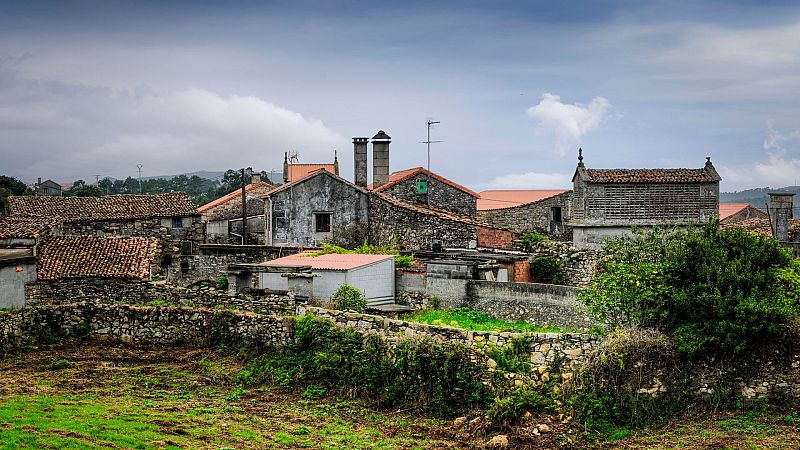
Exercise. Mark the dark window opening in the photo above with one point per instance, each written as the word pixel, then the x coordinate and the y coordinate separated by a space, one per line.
pixel 322 222
pixel 177 222
pixel 555 212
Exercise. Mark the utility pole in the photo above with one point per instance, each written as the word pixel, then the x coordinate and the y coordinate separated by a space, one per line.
pixel 244 211
pixel 428 142
pixel 139 166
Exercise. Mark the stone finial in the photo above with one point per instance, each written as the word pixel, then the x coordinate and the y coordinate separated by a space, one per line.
pixel 580 157
pixel 335 162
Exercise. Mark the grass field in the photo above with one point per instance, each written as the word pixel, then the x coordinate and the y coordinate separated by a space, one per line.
pixel 470 319
pixel 95 396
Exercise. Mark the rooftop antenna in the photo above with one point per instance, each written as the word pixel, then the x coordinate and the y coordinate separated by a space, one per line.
pixel 139 166
pixel 428 143
pixel 294 157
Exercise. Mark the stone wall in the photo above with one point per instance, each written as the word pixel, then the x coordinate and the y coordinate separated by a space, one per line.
pixel 577 264
pixel 414 230
pixel 441 195
pixel 540 304
pixel 213 261
pixel 145 325
pixel 534 216
pixel 193 230
pixel 111 291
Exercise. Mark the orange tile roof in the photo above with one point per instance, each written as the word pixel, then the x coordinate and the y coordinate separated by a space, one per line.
pixel 499 199
pixel 298 171
pixel 397 177
pixel 311 175
pixel 232 195
pixel 109 207
pixel 762 226
pixel 91 256
pixel 728 209
pixel 22 226
pixel 332 261
pixel 649 176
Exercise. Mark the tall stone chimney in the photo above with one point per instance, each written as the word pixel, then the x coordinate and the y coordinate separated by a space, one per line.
pixel 380 159
pixel 780 211
pixel 360 158
pixel 285 167
pixel 255 178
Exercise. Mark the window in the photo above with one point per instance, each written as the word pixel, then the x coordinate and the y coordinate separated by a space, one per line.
pixel 177 222
pixel 555 213
pixel 322 222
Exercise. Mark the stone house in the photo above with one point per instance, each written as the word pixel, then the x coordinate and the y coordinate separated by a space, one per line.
pixel 171 217
pixel 607 202
pixel 223 216
pixel 428 188
pixel 738 212
pixel 50 187
pixel 546 211
pixel 70 266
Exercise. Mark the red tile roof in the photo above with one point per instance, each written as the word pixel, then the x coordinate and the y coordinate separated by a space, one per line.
pixel 21 226
pixel 237 194
pixel 499 199
pixel 298 171
pixel 762 226
pixel 332 261
pixel 649 176
pixel 402 175
pixel 728 209
pixel 97 257
pixel 110 207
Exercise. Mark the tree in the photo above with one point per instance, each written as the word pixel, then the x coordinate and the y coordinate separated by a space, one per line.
pixel 11 186
pixel 84 191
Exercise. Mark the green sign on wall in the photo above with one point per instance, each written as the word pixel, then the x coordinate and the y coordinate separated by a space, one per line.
pixel 422 187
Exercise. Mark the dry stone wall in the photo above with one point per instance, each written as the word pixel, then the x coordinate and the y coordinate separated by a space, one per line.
pixel 577 264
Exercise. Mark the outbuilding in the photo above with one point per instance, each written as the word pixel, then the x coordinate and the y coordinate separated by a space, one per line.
pixel 371 274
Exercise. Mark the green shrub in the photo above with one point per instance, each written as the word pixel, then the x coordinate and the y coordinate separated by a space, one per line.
pixel 710 289
pixel 403 262
pixel 400 261
pixel 545 268
pixel 349 297
pixel 222 282
pixel 61 364
pixel 529 240
pixel 511 407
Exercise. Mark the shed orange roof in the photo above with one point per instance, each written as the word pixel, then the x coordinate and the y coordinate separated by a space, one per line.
pixel 297 171
pixel 331 261
pixel 233 195
pixel 728 209
pixel 401 175
pixel 499 199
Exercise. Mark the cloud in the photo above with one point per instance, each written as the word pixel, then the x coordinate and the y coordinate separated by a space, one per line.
pixel 779 170
pixel 568 122
pixel 73 131
pixel 530 180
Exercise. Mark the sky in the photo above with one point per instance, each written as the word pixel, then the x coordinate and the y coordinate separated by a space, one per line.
pixel 93 88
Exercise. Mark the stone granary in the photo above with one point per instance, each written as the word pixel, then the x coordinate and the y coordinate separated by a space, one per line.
pixel 607 202
pixel 223 216
pixel 172 218
pixel 546 211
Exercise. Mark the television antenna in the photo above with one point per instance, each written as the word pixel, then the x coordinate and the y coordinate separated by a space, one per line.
pixel 428 143
pixel 294 157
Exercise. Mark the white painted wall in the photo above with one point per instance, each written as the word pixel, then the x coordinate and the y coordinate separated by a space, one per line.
pixel 12 284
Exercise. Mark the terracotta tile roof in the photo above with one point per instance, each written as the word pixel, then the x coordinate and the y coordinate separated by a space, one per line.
pixel 298 171
pixel 499 199
pixel 402 175
pixel 728 209
pixel 100 257
pixel 237 194
pixel 762 226
pixel 313 174
pixel 332 261
pixel 22 226
pixel 649 176
pixel 110 207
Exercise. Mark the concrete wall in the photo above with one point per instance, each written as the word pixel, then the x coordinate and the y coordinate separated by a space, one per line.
pixel 375 280
pixel 13 278
pixel 441 195
pixel 292 209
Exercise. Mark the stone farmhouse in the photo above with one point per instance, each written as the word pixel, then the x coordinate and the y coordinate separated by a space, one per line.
pixel 545 211
pixel 223 216
pixel 607 202
pixel 50 187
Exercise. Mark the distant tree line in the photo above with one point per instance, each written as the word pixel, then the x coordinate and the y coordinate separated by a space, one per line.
pixel 11 186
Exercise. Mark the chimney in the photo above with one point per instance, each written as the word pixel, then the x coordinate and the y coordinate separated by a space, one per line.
pixel 39 181
pixel 335 163
pixel 380 159
pixel 285 167
pixel 255 179
pixel 360 158
pixel 780 212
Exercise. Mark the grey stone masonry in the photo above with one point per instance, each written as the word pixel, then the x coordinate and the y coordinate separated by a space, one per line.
pixel 539 216
pixel 441 195
pixel 577 264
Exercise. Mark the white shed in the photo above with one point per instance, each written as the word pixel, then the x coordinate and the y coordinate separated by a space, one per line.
pixel 371 274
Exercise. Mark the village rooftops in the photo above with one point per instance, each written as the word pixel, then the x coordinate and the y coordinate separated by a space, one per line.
pixel 331 261
pixel 727 210
pixel 96 257
pixel 22 226
pixel 402 175
pixel 235 194
pixel 110 207
pixel 500 199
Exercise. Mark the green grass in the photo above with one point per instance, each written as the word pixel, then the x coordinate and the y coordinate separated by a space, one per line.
pixel 470 319
pixel 110 397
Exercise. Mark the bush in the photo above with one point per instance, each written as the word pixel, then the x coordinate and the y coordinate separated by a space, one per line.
pixel 529 239
pixel 222 282
pixel 710 289
pixel 349 297
pixel 545 268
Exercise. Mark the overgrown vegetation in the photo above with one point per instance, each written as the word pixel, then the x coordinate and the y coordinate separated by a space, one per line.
pixel 471 319
pixel 349 298
pixel 547 269
pixel 711 290
pixel 529 240
pixel 222 282
pixel 400 261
